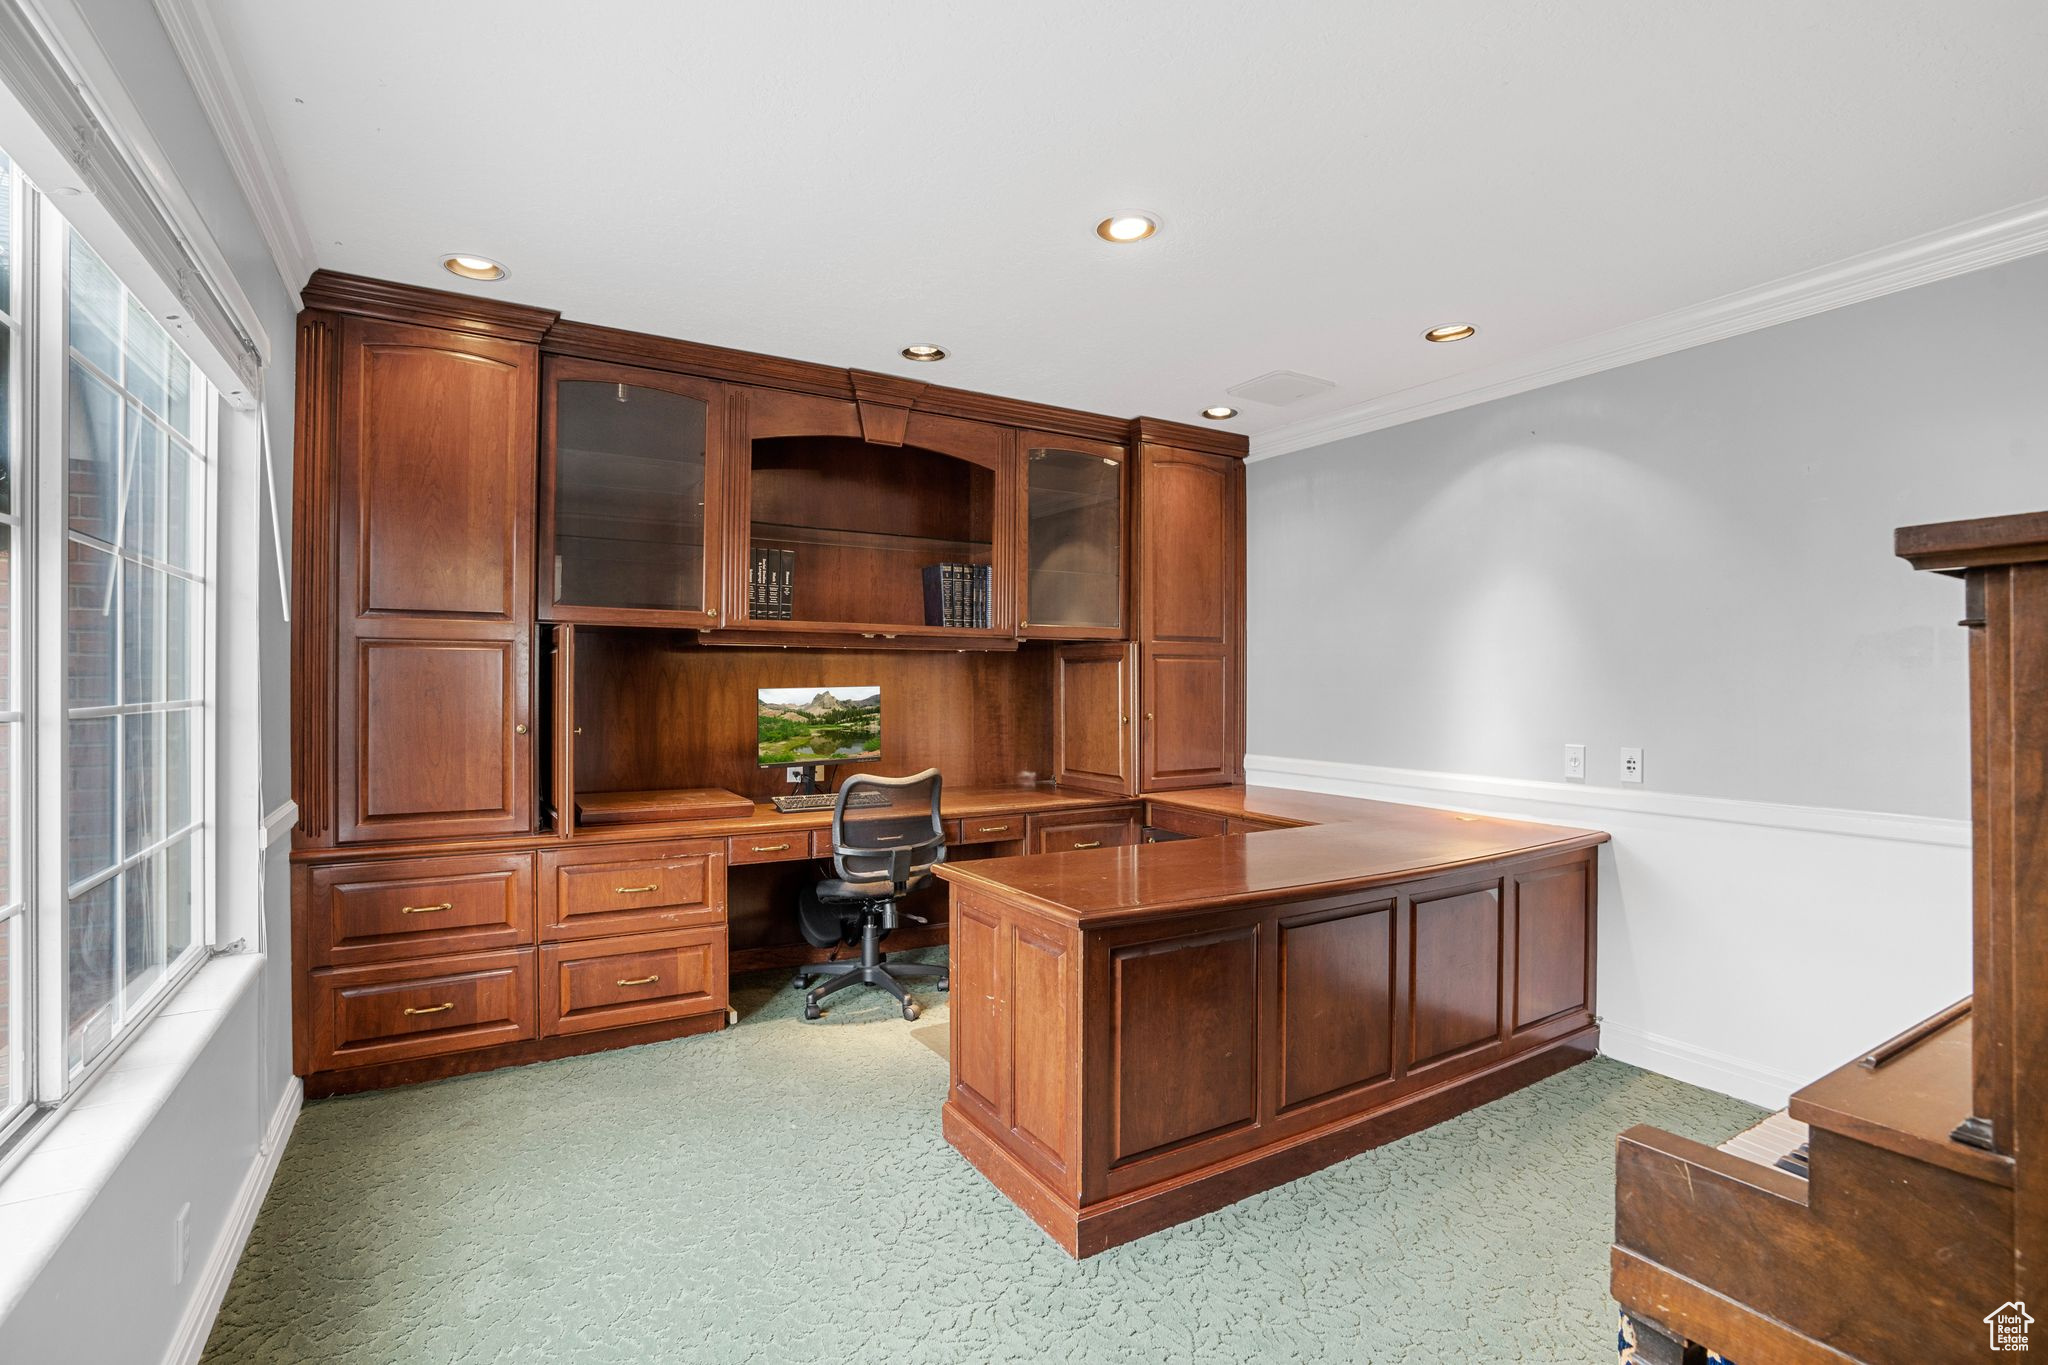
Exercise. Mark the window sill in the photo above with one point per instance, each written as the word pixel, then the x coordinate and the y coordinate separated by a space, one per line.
pixel 70 1157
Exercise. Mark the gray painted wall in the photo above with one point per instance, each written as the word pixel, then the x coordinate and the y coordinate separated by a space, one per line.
pixel 199 1148
pixel 1690 554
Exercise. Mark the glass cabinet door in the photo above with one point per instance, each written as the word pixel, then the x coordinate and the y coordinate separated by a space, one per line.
pixel 631 468
pixel 1074 538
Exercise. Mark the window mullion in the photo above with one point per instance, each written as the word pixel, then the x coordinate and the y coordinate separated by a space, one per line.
pixel 41 479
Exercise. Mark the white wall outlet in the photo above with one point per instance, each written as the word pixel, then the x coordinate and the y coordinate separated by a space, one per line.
pixel 1575 762
pixel 1631 765
pixel 181 1244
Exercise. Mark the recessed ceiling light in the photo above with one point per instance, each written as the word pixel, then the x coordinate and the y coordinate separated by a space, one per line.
pixel 473 267
pixel 1456 331
pixel 1127 227
pixel 924 353
pixel 1219 414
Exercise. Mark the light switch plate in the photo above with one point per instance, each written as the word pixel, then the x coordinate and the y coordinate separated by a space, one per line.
pixel 1575 762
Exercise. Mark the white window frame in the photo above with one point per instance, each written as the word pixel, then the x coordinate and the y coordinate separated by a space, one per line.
pixel 40 412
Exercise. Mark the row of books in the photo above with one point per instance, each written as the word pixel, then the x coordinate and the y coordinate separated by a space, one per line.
pixel 957 595
pixel 768 586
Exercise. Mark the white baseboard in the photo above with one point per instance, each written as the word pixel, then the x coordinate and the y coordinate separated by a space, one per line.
pixel 1746 947
pixel 1703 1067
pixel 219 1270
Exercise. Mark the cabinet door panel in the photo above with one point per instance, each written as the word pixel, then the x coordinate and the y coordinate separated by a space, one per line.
pixel 632 495
pixel 436 473
pixel 1192 545
pixel 1454 974
pixel 1074 495
pixel 433 725
pixel 1190 737
pixel 1093 741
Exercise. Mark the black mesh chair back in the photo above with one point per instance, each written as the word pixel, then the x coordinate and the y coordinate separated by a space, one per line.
pixel 886 831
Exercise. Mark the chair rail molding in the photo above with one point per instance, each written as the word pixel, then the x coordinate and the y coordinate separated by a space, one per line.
pixel 1993 239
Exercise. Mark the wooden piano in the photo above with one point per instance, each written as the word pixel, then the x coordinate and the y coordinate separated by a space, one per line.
pixel 1923 1223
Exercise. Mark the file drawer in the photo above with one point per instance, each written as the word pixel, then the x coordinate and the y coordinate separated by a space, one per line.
pixel 612 982
pixel 419 907
pixel 591 893
pixel 400 1011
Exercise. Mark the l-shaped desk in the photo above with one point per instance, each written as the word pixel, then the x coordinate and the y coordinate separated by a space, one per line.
pixel 1144 1034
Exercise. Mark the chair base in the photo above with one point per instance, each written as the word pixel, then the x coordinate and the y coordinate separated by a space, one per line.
pixel 874 969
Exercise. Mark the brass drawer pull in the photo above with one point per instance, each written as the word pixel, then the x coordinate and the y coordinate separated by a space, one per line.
pixel 1092 843
pixel 771 848
pixel 431 1009
pixel 642 980
pixel 636 890
pixel 993 829
pixel 425 909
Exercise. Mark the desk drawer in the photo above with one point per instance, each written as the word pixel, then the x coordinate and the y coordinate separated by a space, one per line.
pixel 1084 829
pixel 791 845
pixel 591 893
pixel 400 1011
pixel 611 982
pixel 985 829
pixel 1194 824
pixel 419 907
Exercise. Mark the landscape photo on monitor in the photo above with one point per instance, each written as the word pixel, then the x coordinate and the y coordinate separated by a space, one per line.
pixel 818 725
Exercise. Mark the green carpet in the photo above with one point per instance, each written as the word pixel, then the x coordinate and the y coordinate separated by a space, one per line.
pixel 779 1193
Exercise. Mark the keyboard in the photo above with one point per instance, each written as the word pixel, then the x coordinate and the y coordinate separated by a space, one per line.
pixel 826 801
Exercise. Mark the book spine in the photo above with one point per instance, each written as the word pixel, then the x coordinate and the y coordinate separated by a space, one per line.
pixel 949 595
pixel 757 586
pixel 984 580
pixel 786 584
pixel 959 597
pixel 934 596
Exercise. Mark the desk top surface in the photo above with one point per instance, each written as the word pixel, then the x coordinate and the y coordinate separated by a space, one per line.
pixel 1352 844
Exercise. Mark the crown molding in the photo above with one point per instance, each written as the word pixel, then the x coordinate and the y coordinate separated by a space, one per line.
pixel 216 73
pixel 1973 245
pixel 334 292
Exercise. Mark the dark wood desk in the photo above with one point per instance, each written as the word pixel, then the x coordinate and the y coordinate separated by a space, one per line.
pixel 1144 1034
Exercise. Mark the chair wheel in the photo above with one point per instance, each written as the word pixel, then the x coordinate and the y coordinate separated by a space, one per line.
pixel 811 1011
pixel 945 983
pixel 801 983
pixel 910 1011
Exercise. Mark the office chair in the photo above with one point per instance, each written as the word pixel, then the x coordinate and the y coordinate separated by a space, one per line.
pixel 881 852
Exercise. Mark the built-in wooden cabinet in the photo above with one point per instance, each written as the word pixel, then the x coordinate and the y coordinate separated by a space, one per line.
pixel 1190 618
pixel 523 575
pixel 632 496
pixel 1075 498
pixel 434 483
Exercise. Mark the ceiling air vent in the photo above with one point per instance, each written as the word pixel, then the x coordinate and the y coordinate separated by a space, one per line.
pixel 1280 388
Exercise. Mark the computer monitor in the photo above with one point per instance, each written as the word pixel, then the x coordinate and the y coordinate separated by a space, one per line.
pixel 812 725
